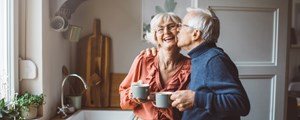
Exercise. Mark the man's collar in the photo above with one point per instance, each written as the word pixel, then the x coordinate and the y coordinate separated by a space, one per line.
pixel 200 49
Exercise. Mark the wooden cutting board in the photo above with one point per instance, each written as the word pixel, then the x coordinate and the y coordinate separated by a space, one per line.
pixel 93 60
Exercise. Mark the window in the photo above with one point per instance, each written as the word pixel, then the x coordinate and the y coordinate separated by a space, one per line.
pixel 8 36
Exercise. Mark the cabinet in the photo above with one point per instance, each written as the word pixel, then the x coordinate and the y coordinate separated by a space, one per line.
pixel 295 31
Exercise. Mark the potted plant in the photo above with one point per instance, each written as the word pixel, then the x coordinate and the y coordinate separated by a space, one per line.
pixel 28 105
pixel 8 111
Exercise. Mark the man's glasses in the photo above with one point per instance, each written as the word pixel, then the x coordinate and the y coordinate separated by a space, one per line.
pixel 170 27
pixel 182 24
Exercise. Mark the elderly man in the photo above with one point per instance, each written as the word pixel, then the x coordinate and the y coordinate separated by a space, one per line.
pixel 215 91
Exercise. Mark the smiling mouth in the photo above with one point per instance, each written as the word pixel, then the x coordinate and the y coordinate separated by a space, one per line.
pixel 167 39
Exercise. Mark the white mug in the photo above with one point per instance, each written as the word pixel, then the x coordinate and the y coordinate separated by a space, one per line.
pixel 73 33
pixel 75 101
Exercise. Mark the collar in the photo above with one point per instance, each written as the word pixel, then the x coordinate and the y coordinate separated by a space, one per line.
pixel 200 49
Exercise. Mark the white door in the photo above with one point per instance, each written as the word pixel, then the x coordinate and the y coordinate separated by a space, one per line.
pixel 254 34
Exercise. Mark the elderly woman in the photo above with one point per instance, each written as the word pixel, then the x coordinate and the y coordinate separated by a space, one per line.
pixel 167 71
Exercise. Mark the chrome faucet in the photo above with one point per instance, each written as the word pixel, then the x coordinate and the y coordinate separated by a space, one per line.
pixel 65 108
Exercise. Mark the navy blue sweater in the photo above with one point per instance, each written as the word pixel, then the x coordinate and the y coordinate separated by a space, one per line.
pixel 219 92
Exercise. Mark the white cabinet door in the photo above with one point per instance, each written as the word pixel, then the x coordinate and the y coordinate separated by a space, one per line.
pixel 254 34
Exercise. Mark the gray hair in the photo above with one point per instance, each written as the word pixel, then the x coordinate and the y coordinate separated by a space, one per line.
pixel 207 22
pixel 161 17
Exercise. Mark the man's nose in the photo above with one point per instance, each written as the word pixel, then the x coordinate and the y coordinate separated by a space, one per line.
pixel 178 29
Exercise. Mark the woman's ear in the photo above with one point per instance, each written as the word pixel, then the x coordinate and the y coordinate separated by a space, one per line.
pixel 197 34
pixel 155 38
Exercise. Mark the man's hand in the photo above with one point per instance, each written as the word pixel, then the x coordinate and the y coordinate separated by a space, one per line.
pixel 150 51
pixel 183 99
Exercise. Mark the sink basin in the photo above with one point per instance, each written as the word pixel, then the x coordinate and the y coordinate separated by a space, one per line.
pixel 101 115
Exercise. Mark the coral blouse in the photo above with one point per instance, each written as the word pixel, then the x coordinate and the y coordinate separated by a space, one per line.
pixel 147 69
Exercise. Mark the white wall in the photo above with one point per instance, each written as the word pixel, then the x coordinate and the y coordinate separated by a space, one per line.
pixel 33 48
pixel 121 20
pixel 56 53
pixel 49 51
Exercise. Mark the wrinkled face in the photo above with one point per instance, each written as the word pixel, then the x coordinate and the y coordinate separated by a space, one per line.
pixel 166 34
pixel 185 34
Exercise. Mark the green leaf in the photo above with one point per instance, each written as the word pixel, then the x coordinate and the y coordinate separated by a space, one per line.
pixel 170 5
pixel 28 99
pixel 158 9
pixel 152 17
pixel 2 103
pixel 146 27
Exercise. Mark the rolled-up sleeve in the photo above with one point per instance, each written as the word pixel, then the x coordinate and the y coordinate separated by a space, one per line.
pixel 125 87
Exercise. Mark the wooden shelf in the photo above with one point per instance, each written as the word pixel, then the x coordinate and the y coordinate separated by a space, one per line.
pixel 295 46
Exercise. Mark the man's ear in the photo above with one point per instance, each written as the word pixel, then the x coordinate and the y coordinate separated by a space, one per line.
pixel 197 34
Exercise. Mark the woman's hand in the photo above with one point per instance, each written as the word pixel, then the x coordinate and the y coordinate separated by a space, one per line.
pixel 137 100
pixel 151 97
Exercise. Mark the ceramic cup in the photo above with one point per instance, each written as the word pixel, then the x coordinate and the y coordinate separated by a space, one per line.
pixel 75 101
pixel 140 91
pixel 162 99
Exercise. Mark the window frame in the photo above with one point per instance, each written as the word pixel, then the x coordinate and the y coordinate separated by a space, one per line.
pixel 13 48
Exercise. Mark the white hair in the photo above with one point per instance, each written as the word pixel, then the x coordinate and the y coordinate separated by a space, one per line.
pixel 156 20
pixel 207 22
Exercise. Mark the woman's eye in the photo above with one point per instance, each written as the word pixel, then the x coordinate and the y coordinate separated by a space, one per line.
pixel 172 26
pixel 160 29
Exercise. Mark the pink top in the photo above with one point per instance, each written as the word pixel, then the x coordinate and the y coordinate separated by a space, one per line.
pixel 146 69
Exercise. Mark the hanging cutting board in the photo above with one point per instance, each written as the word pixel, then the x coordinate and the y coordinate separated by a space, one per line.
pixel 94 65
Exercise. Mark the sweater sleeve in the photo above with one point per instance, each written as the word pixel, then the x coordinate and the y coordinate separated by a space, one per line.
pixel 225 95
pixel 125 87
